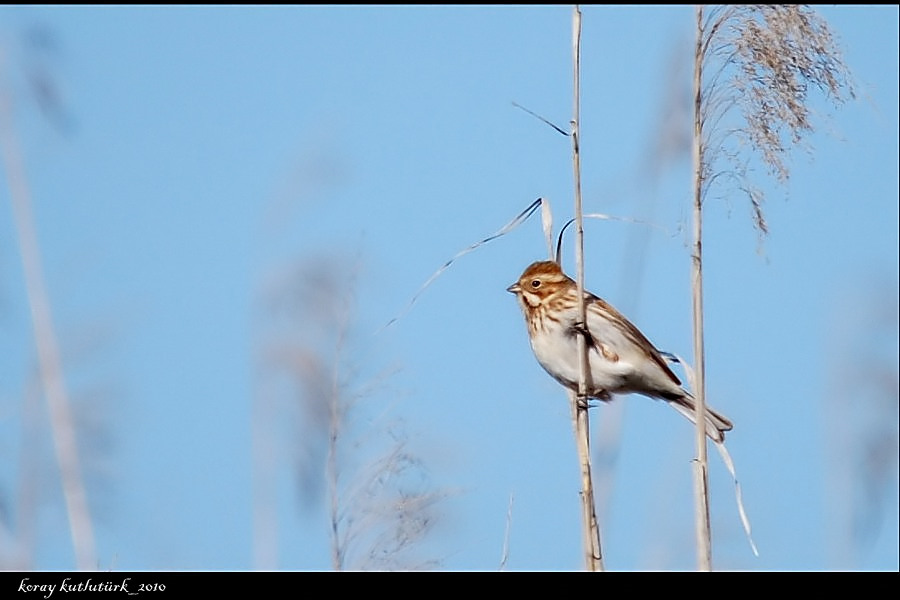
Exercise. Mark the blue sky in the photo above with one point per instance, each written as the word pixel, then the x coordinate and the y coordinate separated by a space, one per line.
pixel 197 155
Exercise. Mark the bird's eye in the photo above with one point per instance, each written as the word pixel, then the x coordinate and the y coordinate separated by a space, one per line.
pixel 535 283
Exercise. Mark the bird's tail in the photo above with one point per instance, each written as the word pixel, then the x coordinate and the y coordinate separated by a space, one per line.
pixel 716 423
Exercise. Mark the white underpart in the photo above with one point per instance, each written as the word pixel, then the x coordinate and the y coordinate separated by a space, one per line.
pixel 633 372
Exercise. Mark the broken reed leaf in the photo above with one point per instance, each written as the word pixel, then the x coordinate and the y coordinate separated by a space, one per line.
pixel 745 521
pixel 602 217
pixel 537 116
pixel 547 223
pixel 723 452
pixel 520 218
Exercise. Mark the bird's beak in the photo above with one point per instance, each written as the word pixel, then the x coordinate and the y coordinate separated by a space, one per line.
pixel 514 289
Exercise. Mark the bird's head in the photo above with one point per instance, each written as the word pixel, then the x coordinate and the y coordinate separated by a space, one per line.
pixel 539 282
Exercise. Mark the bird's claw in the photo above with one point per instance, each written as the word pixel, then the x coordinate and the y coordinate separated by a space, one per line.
pixel 584 402
pixel 580 327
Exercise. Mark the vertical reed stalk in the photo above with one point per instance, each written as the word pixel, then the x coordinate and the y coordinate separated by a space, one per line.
pixel 701 474
pixel 591 529
pixel 51 374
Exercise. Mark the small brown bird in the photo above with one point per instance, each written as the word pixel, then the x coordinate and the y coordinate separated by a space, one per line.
pixel 622 360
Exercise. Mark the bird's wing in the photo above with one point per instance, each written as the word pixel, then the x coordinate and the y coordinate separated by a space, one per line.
pixel 608 326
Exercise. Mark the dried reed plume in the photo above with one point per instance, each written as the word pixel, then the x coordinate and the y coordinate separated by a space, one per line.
pixel 753 67
pixel 379 509
pixel 759 63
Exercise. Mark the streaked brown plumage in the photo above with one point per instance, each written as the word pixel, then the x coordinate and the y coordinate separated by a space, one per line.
pixel 622 360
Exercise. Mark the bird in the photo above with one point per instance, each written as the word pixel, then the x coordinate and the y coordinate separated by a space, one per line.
pixel 622 360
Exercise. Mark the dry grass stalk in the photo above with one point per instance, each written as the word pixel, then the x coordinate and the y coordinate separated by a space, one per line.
pixel 591 531
pixel 380 509
pixel 701 464
pixel 758 61
pixel 50 365
pixel 504 552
